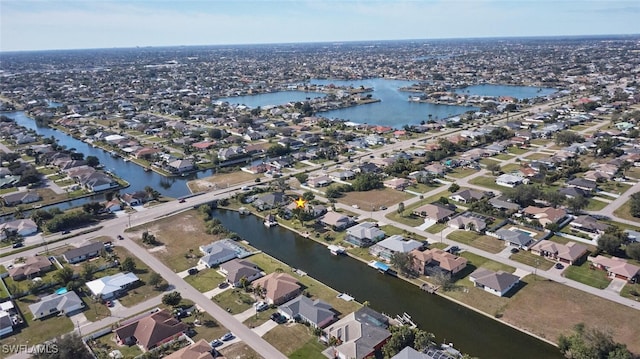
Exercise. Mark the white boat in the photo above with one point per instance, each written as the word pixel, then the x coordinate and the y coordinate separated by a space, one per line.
pixel 336 250
pixel 270 221
pixel 243 210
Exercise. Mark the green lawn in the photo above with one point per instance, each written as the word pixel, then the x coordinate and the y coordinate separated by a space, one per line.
pixel 289 338
pixel 624 212
pixel 37 331
pixel 628 288
pixel 107 344
pixel 423 188
pixel 517 151
pixel 487 182
pixel 208 329
pixel 259 318
pixel 461 172
pixel 479 261
pixel 503 157
pixel 595 205
pixel 536 156
pixel 205 280
pixel 310 350
pixel 142 291
pixel 95 309
pixel 614 187
pixel 391 230
pixel 436 228
pixel 236 300
pixel 486 243
pixel 489 161
pixel 583 274
pixel 530 259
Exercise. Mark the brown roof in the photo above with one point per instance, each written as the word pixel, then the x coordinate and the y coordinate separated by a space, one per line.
pixel 278 285
pixel 198 350
pixel 32 265
pixel 448 261
pixel 152 329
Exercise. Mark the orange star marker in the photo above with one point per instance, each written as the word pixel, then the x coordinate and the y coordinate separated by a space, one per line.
pixel 300 203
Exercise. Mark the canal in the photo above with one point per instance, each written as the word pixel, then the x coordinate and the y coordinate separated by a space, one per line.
pixel 469 331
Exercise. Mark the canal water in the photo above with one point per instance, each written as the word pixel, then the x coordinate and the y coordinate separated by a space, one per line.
pixel 271 98
pixel 519 92
pixel 469 331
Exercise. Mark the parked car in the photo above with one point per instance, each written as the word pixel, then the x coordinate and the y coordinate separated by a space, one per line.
pixel 382 208
pixel 182 200
pixel 193 271
pixel 227 337
pixel 515 250
pixel 278 318
pixel 66 231
pixel 223 285
pixel 260 306
pixel 18 245
pixel 216 343
pixel 559 266
pixel 120 237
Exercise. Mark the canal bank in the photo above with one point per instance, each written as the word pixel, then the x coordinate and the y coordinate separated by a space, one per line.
pixel 470 331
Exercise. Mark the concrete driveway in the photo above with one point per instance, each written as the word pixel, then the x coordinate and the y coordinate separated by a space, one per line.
pixel 265 327
pixel 616 285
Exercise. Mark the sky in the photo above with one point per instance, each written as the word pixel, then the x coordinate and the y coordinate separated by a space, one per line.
pixel 79 24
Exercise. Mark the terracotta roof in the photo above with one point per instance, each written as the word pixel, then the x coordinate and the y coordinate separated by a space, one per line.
pixel 198 350
pixel 277 285
pixel 152 329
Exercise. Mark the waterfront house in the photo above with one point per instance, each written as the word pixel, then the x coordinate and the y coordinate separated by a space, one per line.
pixel 359 334
pixel 216 253
pixel 21 227
pixel 571 253
pixel 180 166
pixel 112 286
pixel 508 180
pixel 16 198
pixel 151 330
pixel 337 221
pixel 364 234
pixel 237 269
pixel 277 287
pixel 32 267
pixel 394 244
pixel 434 212
pixel 270 200
pixel 83 253
pixel 316 313
pixel 198 350
pixel 496 283
pixel 616 267
pixel 435 260
pixel 65 303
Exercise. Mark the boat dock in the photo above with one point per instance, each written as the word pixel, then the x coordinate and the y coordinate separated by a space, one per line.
pixel 336 250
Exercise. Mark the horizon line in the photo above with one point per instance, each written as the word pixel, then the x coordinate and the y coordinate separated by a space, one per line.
pixel 325 42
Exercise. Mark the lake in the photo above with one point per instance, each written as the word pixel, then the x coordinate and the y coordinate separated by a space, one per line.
pixel 271 98
pixel 519 92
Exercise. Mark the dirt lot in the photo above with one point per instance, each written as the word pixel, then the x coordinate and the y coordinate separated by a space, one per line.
pixel 563 307
pixel 220 180
pixel 180 236
pixel 240 351
pixel 375 198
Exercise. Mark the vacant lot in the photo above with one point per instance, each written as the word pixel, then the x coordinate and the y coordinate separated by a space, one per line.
pixel 487 182
pixel 372 200
pixel 531 259
pixel 221 180
pixel 288 338
pixel 240 351
pixel 486 243
pixel 477 261
pixel 563 307
pixel 234 300
pixel 207 329
pixel 624 212
pixel 179 236
pixel 205 280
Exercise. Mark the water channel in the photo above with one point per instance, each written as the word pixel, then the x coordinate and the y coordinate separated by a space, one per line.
pixel 469 331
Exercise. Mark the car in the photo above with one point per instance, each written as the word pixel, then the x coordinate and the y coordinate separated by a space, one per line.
pixel 192 271
pixel 66 231
pixel 223 285
pixel 515 250
pixel 278 318
pixel 182 200
pixel 108 303
pixel 216 343
pixel 244 188
pixel 227 337
pixel 120 237
pixel 18 245
pixel 559 266
pixel 260 306
pixel 382 208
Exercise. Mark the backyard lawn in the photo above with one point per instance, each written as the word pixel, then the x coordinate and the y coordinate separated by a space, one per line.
pixel 107 343
pixel 208 329
pixel 583 274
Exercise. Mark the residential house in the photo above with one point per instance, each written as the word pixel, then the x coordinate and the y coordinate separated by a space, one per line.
pixel 319 181
pixel 546 215
pixel 467 196
pixel 368 168
pixel 508 180
pixel 83 253
pixel 497 283
pixel 436 169
pixel 32 267
pixel 66 303
pixel 583 184
pixel 315 312
pixel 364 234
pixel 337 221
pixel 499 203
pixel 21 227
pixel 216 253
pixel 434 212
pixel 573 192
pixel 595 176
pixel 9 317
pixel 342 175
pixel 151 330
pixel 237 269
pixel 113 206
pixel 468 221
pixel 394 244
pixel 435 260
pixel 198 350
pixel 571 253
pixel 180 166
pixel 514 238
pixel 397 183
pixel 277 287
pixel 616 267
pixel 431 353
pixel 589 224
pixel 135 199
pixel 16 198
pixel 270 200
pixel 359 334
pixel 112 286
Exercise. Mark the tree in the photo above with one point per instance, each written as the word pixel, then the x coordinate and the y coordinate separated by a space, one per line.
pixel 403 262
pixel 400 207
pixel 524 195
pixel 308 196
pixel 635 204
pixel 93 208
pixel 555 198
pixel 633 251
pixel 64 275
pixel 366 182
pixel 401 336
pixel 609 243
pixel 332 192
pixel 88 270
pixel 423 340
pixel 454 188
pixel 68 346
pixel 494 168
pixel 128 265
pixel 172 299
pixel 576 204
pixel 152 192
pixel 568 138
pixel 301 177
pixel 587 343
pixel 155 279
pixel 93 161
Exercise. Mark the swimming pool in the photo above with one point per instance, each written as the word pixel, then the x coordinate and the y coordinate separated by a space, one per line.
pixel 516 229
pixel 61 291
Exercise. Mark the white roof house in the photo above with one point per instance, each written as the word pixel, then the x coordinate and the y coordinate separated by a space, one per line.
pixel 111 286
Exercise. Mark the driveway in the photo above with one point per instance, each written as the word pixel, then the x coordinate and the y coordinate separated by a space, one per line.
pixel 265 327
pixel 79 319
pixel 616 285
